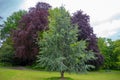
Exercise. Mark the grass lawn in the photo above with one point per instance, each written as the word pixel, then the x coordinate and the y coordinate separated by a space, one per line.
pixel 13 74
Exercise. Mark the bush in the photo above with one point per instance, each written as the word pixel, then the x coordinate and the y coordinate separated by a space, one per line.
pixel 7 52
pixel 5 64
pixel 118 65
pixel 6 57
pixel 112 66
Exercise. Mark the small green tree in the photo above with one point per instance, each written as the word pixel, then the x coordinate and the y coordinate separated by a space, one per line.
pixel 117 50
pixel 105 50
pixel 59 48
pixel 111 51
pixel 7 52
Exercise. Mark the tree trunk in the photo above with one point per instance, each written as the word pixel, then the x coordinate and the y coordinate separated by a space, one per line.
pixel 62 75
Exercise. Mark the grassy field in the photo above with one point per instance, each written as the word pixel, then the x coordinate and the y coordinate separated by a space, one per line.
pixel 13 74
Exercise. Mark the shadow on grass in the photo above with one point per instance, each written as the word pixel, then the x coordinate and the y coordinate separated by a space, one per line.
pixel 58 78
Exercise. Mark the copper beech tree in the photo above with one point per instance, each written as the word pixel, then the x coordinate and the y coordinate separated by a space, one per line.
pixel 25 37
pixel 86 33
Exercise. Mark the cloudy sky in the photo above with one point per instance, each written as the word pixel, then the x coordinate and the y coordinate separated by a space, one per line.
pixel 104 14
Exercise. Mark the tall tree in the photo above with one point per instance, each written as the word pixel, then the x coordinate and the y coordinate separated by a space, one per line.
pixel 59 48
pixel 7 49
pixel 12 23
pixel 25 37
pixel 86 33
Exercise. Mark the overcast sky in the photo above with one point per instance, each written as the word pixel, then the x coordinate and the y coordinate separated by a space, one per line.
pixel 104 14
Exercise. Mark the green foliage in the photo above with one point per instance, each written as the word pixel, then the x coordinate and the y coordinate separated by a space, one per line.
pixel 7 51
pixel 13 74
pixel 59 48
pixel 118 65
pixel 12 22
pixel 110 49
pixel 116 50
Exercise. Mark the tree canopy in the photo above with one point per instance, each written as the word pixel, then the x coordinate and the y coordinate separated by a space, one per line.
pixel 12 23
pixel 86 33
pixel 25 37
pixel 110 50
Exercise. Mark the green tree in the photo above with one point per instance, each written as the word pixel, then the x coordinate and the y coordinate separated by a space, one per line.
pixel 7 50
pixel 59 48
pixel 117 49
pixel 116 52
pixel 104 45
pixel 12 23
pixel 110 49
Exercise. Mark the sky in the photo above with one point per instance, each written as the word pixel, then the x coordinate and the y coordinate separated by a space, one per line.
pixel 104 14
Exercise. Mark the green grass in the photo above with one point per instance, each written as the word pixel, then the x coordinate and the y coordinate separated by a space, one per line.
pixel 12 74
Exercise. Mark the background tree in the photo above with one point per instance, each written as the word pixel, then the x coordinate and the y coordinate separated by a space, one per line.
pixel 86 33
pixel 110 51
pixel 7 50
pixel 117 49
pixel 103 47
pixel 117 53
pixel 12 23
pixel 25 37
pixel 59 48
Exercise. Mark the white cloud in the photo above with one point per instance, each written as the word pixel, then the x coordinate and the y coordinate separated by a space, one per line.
pixel 100 11
pixel 107 29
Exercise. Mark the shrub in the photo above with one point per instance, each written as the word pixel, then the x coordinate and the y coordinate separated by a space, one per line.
pixel 7 52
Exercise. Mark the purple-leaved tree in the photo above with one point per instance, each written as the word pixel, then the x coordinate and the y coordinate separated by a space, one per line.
pixel 25 37
pixel 86 33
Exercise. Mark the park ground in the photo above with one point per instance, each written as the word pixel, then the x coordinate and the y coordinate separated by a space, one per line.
pixel 28 74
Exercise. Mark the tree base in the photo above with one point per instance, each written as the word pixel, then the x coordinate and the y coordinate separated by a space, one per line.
pixel 58 78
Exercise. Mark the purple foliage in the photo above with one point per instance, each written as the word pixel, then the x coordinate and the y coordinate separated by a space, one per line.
pixel 25 36
pixel 86 33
